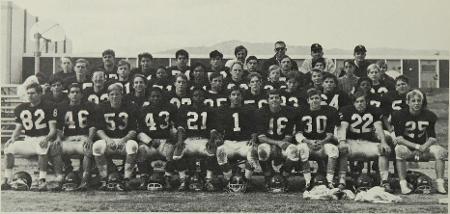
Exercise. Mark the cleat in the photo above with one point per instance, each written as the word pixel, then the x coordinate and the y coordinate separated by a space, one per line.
pixel 209 186
pixel 183 185
pixel 440 188
pixel 83 186
pixel 5 185
pixel 42 185
pixel 387 186
pixel 178 151
pixel 121 187
pixel 308 187
pixel 103 185
pixel 167 182
pixel 406 190
pixel 341 186
pixel 143 183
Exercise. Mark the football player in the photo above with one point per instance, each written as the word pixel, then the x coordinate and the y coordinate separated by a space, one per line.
pixel 240 52
pixel 273 82
pixel 256 96
pixel 315 127
pixel 359 53
pixel 181 64
pixel 180 96
pixel 416 139
pixel 116 128
pixel 195 137
pixel 56 88
pixel 145 66
pixel 155 122
pixel 235 123
pixel 76 130
pixel 331 95
pixel 216 63
pixel 81 74
pixel 251 63
pixel 361 137
pixel 98 93
pixel 378 86
pixel 348 81
pixel 108 65
pixel 275 132
pixel 319 63
pixel 216 95
pixel 286 68
pixel 37 119
pixel 162 79
pixel 123 75
pixel 236 76
pixel 291 95
pixel 138 95
pixel 198 77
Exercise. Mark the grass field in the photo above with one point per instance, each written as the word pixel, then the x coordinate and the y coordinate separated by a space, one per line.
pixel 222 202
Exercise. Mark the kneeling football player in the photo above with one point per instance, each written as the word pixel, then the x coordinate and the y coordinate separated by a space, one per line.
pixel 37 119
pixel 156 143
pixel 235 122
pixel 315 127
pixel 76 129
pixel 416 139
pixel 116 125
pixel 357 139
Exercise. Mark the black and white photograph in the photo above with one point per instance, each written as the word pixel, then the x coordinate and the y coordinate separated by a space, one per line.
pixel 254 106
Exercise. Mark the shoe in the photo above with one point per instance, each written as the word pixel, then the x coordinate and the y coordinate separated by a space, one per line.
pixel 341 186
pixel 387 186
pixel 42 185
pixel 308 187
pixel 121 187
pixel 5 185
pixel 55 186
pixel 406 190
pixel 179 151
pixel 330 185
pixel 209 186
pixel 183 185
pixel 143 182
pixel 103 185
pixel 83 186
pixel 440 188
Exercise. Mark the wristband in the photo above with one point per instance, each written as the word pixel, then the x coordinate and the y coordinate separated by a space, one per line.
pixel 417 147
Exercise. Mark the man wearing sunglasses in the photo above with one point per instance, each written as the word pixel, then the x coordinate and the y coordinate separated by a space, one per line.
pixel 280 51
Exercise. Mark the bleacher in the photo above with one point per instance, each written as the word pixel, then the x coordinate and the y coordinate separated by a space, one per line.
pixel 9 100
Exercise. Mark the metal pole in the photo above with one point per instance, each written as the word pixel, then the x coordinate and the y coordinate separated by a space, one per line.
pixel 37 53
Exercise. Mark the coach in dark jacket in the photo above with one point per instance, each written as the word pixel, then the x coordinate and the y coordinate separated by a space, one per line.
pixel 280 52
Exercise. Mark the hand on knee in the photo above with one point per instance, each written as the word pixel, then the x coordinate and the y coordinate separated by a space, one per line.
pixel 131 147
pixel 99 148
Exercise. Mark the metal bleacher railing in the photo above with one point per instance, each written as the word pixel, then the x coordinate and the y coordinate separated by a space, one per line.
pixel 9 100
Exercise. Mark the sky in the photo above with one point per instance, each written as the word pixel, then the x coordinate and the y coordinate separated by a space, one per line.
pixel 155 25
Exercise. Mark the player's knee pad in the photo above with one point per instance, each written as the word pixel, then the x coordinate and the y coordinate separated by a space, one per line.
pixel 263 152
pixel 131 147
pixel 331 150
pixel 401 152
pixel 99 148
pixel 221 155
pixel 292 153
pixel 303 151
pixel 438 152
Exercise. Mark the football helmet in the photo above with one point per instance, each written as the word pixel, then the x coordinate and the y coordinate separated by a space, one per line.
pixel 420 182
pixel 364 182
pixel 156 182
pixel 319 179
pixel 237 184
pixel 196 183
pixel 71 181
pixel 277 184
pixel 21 181
pixel 114 179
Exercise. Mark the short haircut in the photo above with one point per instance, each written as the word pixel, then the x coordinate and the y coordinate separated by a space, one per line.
pixel 273 68
pixel 235 88
pixel 109 52
pixel 280 42
pixel 313 91
pixel 251 58
pixel 215 75
pixel 293 75
pixel 115 87
pixel 316 70
pixel 362 79
pixel 372 67
pixel 198 64
pixel 75 85
pixel 351 62
pixel 98 71
pixel 274 91
pixel 358 94
pixel 414 93
pixel 55 80
pixel 36 86
pixel 236 62
pixel 66 57
pixel 327 75
pixel 140 76
pixel 181 52
pixel 123 62
pixel 144 55
pixel 402 78
pixel 215 54
pixel 183 76
pixel 318 60
pixel 81 60
pixel 286 56
pixel 197 88
pixel 254 74
pixel 240 48
pixel 155 89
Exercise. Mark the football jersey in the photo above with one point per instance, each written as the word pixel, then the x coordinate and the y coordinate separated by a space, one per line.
pixel 275 125
pixel 274 85
pixel 258 101
pixel 216 100
pixel 76 119
pixel 414 128
pixel 95 97
pixel 230 84
pixel 174 70
pixel 84 85
pixel 126 85
pixel 396 101
pixel 337 99
pixel 59 99
pixel 236 123
pixel 109 75
pixel 156 121
pixel 196 121
pixel 116 123
pixel 34 119
pixel 361 125
pixel 162 84
pixel 316 124
pixel 138 101
pixel 173 98
pixel 292 99
pixel 378 101
pixel 380 89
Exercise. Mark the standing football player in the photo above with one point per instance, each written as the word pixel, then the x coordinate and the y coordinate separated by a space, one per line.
pixel 181 64
pixel 256 96
pixel 116 128
pixel 180 96
pixel 98 93
pixel 331 95
pixel 161 79
pixel 138 94
pixel 81 74
pixel 216 95
pixel 145 66
pixel 108 64
pixel 236 76
pixel 378 86
pixel 216 63
pixel 37 119
pixel 416 139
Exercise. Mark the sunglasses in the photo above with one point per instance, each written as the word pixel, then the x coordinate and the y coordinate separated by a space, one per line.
pixel 279 49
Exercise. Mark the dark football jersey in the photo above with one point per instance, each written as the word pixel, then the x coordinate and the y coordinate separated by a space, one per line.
pixel 337 99
pixel 258 101
pixel 126 85
pixel 380 89
pixel 379 102
pixel 138 101
pixel 396 101
pixel 230 84
pixel 316 124
pixel 34 119
pixel 196 122
pixel 174 70
pixel 156 121
pixel 274 85
pixel 84 85
pixel 58 99
pixel 109 75
pixel 162 84
pixel 361 125
pixel 173 98
pixel 236 123
pixel 414 128
pixel 292 99
pixel 76 119
pixel 95 97
pixel 275 125
pixel 216 100
pixel 116 123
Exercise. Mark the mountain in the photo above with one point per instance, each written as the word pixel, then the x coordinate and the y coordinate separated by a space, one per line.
pixel 266 49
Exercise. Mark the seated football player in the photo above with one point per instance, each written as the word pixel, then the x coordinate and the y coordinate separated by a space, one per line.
pixel 36 119
pixel 66 72
pixel 315 128
pixel 57 95
pixel 389 81
pixel 275 134
pixel 315 81
pixel 123 76
pixel 236 76
pixel 198 77
pixel 81 74
pixel 76 130
pixel 319 63
pixel 331 95
pixel 98 93
pixel 273 82
pixel 416 140
pixel 348 81
pixel 361 137
pixel 162 79
pixel 216 63
pixel 240 53
pixel 291 95
pixel 116 130
pixel 235 123
pixel 196 138
pixel 251 64
pixel 145 65
pixel 180 96
pixel 181 64
pixel 155 122
pixel 378 86
pixel 256 96
pixel 138 94
pixel 216 95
